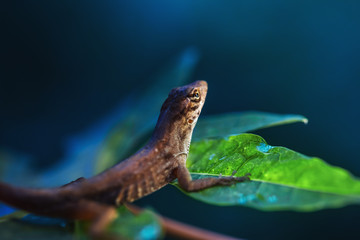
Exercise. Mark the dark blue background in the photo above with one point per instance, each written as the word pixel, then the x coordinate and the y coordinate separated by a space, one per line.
pixel 64 64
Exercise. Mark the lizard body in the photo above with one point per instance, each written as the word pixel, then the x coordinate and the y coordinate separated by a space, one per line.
pixel 160 161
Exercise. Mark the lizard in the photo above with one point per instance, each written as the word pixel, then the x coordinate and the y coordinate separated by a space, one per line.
pixel 159 162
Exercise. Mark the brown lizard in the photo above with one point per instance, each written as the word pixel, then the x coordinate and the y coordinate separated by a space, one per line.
pixel 160 161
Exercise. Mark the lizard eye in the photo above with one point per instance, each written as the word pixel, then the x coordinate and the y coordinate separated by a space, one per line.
pixel 196 94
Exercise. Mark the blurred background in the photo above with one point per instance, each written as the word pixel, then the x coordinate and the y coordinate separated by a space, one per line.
pixel 65 65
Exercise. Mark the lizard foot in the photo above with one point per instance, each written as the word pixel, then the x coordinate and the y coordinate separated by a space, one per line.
pixel 227 181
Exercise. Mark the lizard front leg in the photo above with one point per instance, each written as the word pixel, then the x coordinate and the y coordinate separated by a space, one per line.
pixel 189 185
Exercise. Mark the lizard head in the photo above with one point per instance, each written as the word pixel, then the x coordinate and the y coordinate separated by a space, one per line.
pixel 180 112
pixel 184 104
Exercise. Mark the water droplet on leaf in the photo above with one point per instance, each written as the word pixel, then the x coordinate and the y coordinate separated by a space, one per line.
pixel 264 148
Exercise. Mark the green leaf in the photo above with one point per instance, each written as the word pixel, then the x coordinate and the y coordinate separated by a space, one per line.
pixel 227 124
pixel 270 196
pixel 281 178
pixel 144 226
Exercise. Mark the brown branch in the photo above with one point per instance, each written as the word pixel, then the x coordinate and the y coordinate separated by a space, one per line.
pixel 181 230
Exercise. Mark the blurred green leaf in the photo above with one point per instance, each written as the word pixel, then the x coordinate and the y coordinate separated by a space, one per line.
pixel 227 124
pixel 144 226
pixel 281 178
pixel 13 215
pixel 143 111
pixel 21 225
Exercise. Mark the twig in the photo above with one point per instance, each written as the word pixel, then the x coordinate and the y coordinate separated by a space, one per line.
pixel 183 231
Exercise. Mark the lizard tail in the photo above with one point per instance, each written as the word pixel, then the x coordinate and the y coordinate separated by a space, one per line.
pixel 31 200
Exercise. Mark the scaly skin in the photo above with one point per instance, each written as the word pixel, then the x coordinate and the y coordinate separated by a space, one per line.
pixel 158 163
